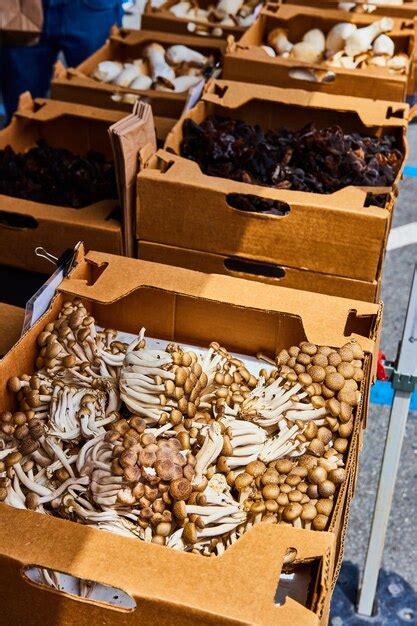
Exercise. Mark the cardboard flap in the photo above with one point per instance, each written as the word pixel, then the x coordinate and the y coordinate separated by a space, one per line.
pixel 43 110
pixel 347 199
pixel 231 94
pixel 311 308
pixel 288 12
pixel 11 324
pixel 249 569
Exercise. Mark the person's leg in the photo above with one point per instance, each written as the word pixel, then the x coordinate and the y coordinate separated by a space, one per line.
pixel 85 27
pixel 26 69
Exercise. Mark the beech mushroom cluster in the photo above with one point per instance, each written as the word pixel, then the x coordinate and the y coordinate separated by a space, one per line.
pixel 345 45
pixel 213 19
pixel 177 447
pixel 176 69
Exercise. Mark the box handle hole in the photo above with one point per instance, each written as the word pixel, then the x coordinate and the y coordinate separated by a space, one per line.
pixel 255 204
pixel 255 269
pixel 311 76
pixel 81 590
pixel 17 221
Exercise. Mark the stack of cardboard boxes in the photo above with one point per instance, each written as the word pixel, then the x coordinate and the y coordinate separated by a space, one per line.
pixel 313 273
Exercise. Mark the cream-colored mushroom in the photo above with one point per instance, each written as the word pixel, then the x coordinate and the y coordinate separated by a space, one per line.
pixel 361 40
pixel 183 54
pixel 127 75
pixel 181 84
pixel 141 82
pixel 278 40
pixel 159 68
pixel 107 71
pixel 315 37
pixel 337 36
pixel 305 52
pixel 383 45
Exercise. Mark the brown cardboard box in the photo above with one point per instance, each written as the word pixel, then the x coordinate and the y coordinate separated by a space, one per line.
pixel 406 10
pixel 11 324
pixel 184 306
pixel 246 61
pixel 178 206
pixel 294 278
pixel 76 85
pixel 160 18
pixel 25 225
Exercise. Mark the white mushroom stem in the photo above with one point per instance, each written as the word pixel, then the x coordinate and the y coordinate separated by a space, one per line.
pixel 160 70
pixel 209 452
pixel 183 54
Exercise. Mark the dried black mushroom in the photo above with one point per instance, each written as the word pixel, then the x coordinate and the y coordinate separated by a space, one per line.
pixel 56 176
pixel 320 160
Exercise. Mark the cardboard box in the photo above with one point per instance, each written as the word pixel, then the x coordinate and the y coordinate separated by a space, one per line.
pixel 406 10
pixel 160 18
pixel 25 225
pixel 76 85
pixel 11 324
pixel 246 61
pixel 184 306
pixel 294 278
pixel 179 206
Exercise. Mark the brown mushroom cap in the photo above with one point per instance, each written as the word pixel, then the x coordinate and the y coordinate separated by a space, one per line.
pixel 243 480
pixel 320 522
pixel 256 468
pixel 324 506
pixel 317 475
pixel 317 373
pixel 340 445
pixel 334 381
pixel 283 466
pixel 326 488
pixel 346 353
pixel 337 476
pixel 292 511
pixel 270 492
pixel 168 470
pixel 320 359
pixel 180 489
pixel 316 447
pixel 309 512
pixel 189 534
pixel 346 369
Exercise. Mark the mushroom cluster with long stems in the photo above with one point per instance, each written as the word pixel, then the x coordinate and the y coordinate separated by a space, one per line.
pixel 345 46
pixel 179 447
pixel 175 68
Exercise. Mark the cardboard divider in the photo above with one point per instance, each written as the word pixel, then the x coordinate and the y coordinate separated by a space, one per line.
pixel 124 45
pixel 25 224
pixel 239 587
pixel 246 61
pixel 294 278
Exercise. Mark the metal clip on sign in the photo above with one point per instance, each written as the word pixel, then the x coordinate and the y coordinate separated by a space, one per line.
pixel 39 302
pixel 404 381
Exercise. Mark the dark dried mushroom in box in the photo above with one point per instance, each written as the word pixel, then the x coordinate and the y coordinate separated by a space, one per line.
pixel 320 160
pixel 57 176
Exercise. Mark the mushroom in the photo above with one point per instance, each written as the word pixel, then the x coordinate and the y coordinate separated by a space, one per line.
pixel 129 73
pixel 383 45
pixel 278 40
pixel 159 68
pixel 361 39
pixel 107 71
pixel 315 37
pixel 183 54
pixel 306 52
pixel 337 36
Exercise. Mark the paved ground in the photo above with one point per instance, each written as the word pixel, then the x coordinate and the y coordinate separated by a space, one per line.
pixel 401 546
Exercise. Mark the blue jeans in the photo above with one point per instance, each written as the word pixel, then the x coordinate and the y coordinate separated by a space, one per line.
pixel 74 27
